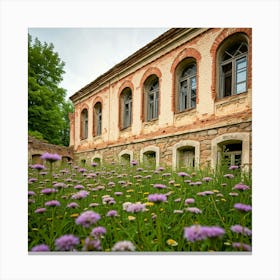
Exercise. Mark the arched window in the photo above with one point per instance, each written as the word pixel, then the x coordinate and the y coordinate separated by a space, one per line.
pixel 151 97
pixel 126 108
pixel 84 124
pixel 185 155
pixel 233 61
pixel 231 149
pixel 187 88
pixel 97 119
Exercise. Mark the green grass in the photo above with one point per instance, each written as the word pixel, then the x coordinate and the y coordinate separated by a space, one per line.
pixel 146 233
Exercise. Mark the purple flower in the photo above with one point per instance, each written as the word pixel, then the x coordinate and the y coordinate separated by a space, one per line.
pixel 183 174
pixel 243 207
pixel 136 207
pixel 133 162
pixel 79 187
pixel 242 246
pixel 197 232
pixel 94 204
pixel 51 157
pixel 112 213
pixel 40 248
pixel 178 199
pixel 87 218
pixel 189 200
pixel 241 229
pixel 229 176
pixel 159 186
pixel 79 195
pixel 111 184
pixel 194 233
pixel 32 180
pixel 233 167
pixel 40 210
pixel 118 193
pixel 48 191
pixel 94 164
pixel 205 193
pixel 98 232
pixel 82 170
pixel 66 242
pixel 123 246
pixel 52 203
pixel 30 193
pixel 60 185
pixel 194 210
pixel 206 179
pixel 72 205
pixel 92 244
pixel 38 166
pixel 241 187
pixel 157 197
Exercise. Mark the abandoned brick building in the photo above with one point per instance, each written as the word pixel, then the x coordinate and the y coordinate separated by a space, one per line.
pixel 183 100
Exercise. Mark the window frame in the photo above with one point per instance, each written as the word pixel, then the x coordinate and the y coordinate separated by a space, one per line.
pixel 234 71
pixel 126 108
pixel 97 119
pixel 84 124
pixel 181 107
pixel 152 100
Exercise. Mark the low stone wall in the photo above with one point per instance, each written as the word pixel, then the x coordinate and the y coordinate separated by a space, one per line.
pixel 37 147
pixel 166 144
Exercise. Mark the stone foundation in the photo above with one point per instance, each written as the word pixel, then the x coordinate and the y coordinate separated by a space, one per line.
pixel 165 147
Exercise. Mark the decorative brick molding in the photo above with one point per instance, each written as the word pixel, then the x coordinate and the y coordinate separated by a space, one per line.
pixel 125 84
pixel 149 72
pixel 225 33
pixel 186 53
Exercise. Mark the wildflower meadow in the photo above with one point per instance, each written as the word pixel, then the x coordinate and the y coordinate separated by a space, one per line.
pixel 118 207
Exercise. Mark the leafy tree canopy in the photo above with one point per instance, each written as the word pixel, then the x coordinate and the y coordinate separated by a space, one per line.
pixel 47 108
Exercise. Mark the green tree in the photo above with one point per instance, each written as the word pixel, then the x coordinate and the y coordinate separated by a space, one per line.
pixel 47 108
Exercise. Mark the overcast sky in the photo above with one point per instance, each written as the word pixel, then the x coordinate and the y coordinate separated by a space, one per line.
pixel 90 52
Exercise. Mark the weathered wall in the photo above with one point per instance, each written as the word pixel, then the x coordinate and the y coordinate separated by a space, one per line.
pixel 166 143
pixel 219 116
pixel 36 148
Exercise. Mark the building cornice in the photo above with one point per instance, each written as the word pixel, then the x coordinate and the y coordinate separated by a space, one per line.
pixel 159 45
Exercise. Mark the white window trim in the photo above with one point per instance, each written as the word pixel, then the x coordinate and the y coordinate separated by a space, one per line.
pixel 150 149
pixel 185 143
pixel 125 152
pixel 240 136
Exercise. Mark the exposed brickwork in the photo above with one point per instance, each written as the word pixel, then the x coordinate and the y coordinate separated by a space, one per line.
pixel 165 144
pixel 209 123
pixel 37 147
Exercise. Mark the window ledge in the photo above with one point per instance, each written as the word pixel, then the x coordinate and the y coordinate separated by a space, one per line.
pixel 230 99
pixel 127 129
pixel 151 122
pixel 97 137
pixel 185 112
pixel 189 112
